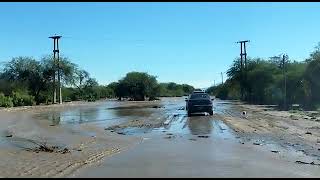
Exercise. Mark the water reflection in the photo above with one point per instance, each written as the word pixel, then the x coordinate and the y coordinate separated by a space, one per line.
pixel 132 112
pixel 55 118
pixel 200 125
pixel 76 116
pixel 101 113
pixel 80 115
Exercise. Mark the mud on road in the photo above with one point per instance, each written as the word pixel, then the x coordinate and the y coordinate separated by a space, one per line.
pixel 295 130
pixel 226 144
pixel 92 132
pixel 296 133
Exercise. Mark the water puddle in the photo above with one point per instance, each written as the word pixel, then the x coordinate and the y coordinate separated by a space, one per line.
pixel 112 113
pixel 198 126
pixel 106 114
pixel 179 124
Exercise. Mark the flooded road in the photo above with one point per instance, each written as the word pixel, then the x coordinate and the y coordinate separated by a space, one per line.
pixel 112 113
pixel 196 146
pixel 154 139
pixel 102 113
pixel 173 144
pixel 178 145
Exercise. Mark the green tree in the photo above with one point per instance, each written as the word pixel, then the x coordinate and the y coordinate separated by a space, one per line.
pixel 138 86
pixel 90 90
pixel 187 89
pixel 29 76
pixel 121 89
pixel 25 73
pixel 311 84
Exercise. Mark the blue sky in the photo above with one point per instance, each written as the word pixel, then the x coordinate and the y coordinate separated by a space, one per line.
pixel 180 42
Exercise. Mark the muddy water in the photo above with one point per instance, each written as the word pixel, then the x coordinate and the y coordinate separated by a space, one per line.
pixel 104 114
pixel 196 146
pixel 177 122
pixel 112 113
pixel 199 125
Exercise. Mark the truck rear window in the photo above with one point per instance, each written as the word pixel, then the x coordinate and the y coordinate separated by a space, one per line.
pixel 199 96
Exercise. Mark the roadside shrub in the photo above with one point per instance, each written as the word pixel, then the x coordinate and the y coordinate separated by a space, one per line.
pixel 5 101
pixel 20 99
pixel 91 97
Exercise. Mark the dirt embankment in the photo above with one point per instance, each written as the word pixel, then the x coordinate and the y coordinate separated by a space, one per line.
pixel 295 129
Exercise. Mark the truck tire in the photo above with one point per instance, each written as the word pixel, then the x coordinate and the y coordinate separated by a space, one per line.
pixel 189 113
pixel 211 113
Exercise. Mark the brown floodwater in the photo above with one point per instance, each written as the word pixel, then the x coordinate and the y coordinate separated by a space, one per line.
pixel 111 113
pixel 105 114
pixel 196 146
pixel 199 146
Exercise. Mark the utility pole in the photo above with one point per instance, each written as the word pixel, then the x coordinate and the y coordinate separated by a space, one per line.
pixel 56 68
pixel 243 66
pixel 283 67
pixel 221 77
pixel 243 52
pixel 214 83
pixel 284 57
pixel 245 55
